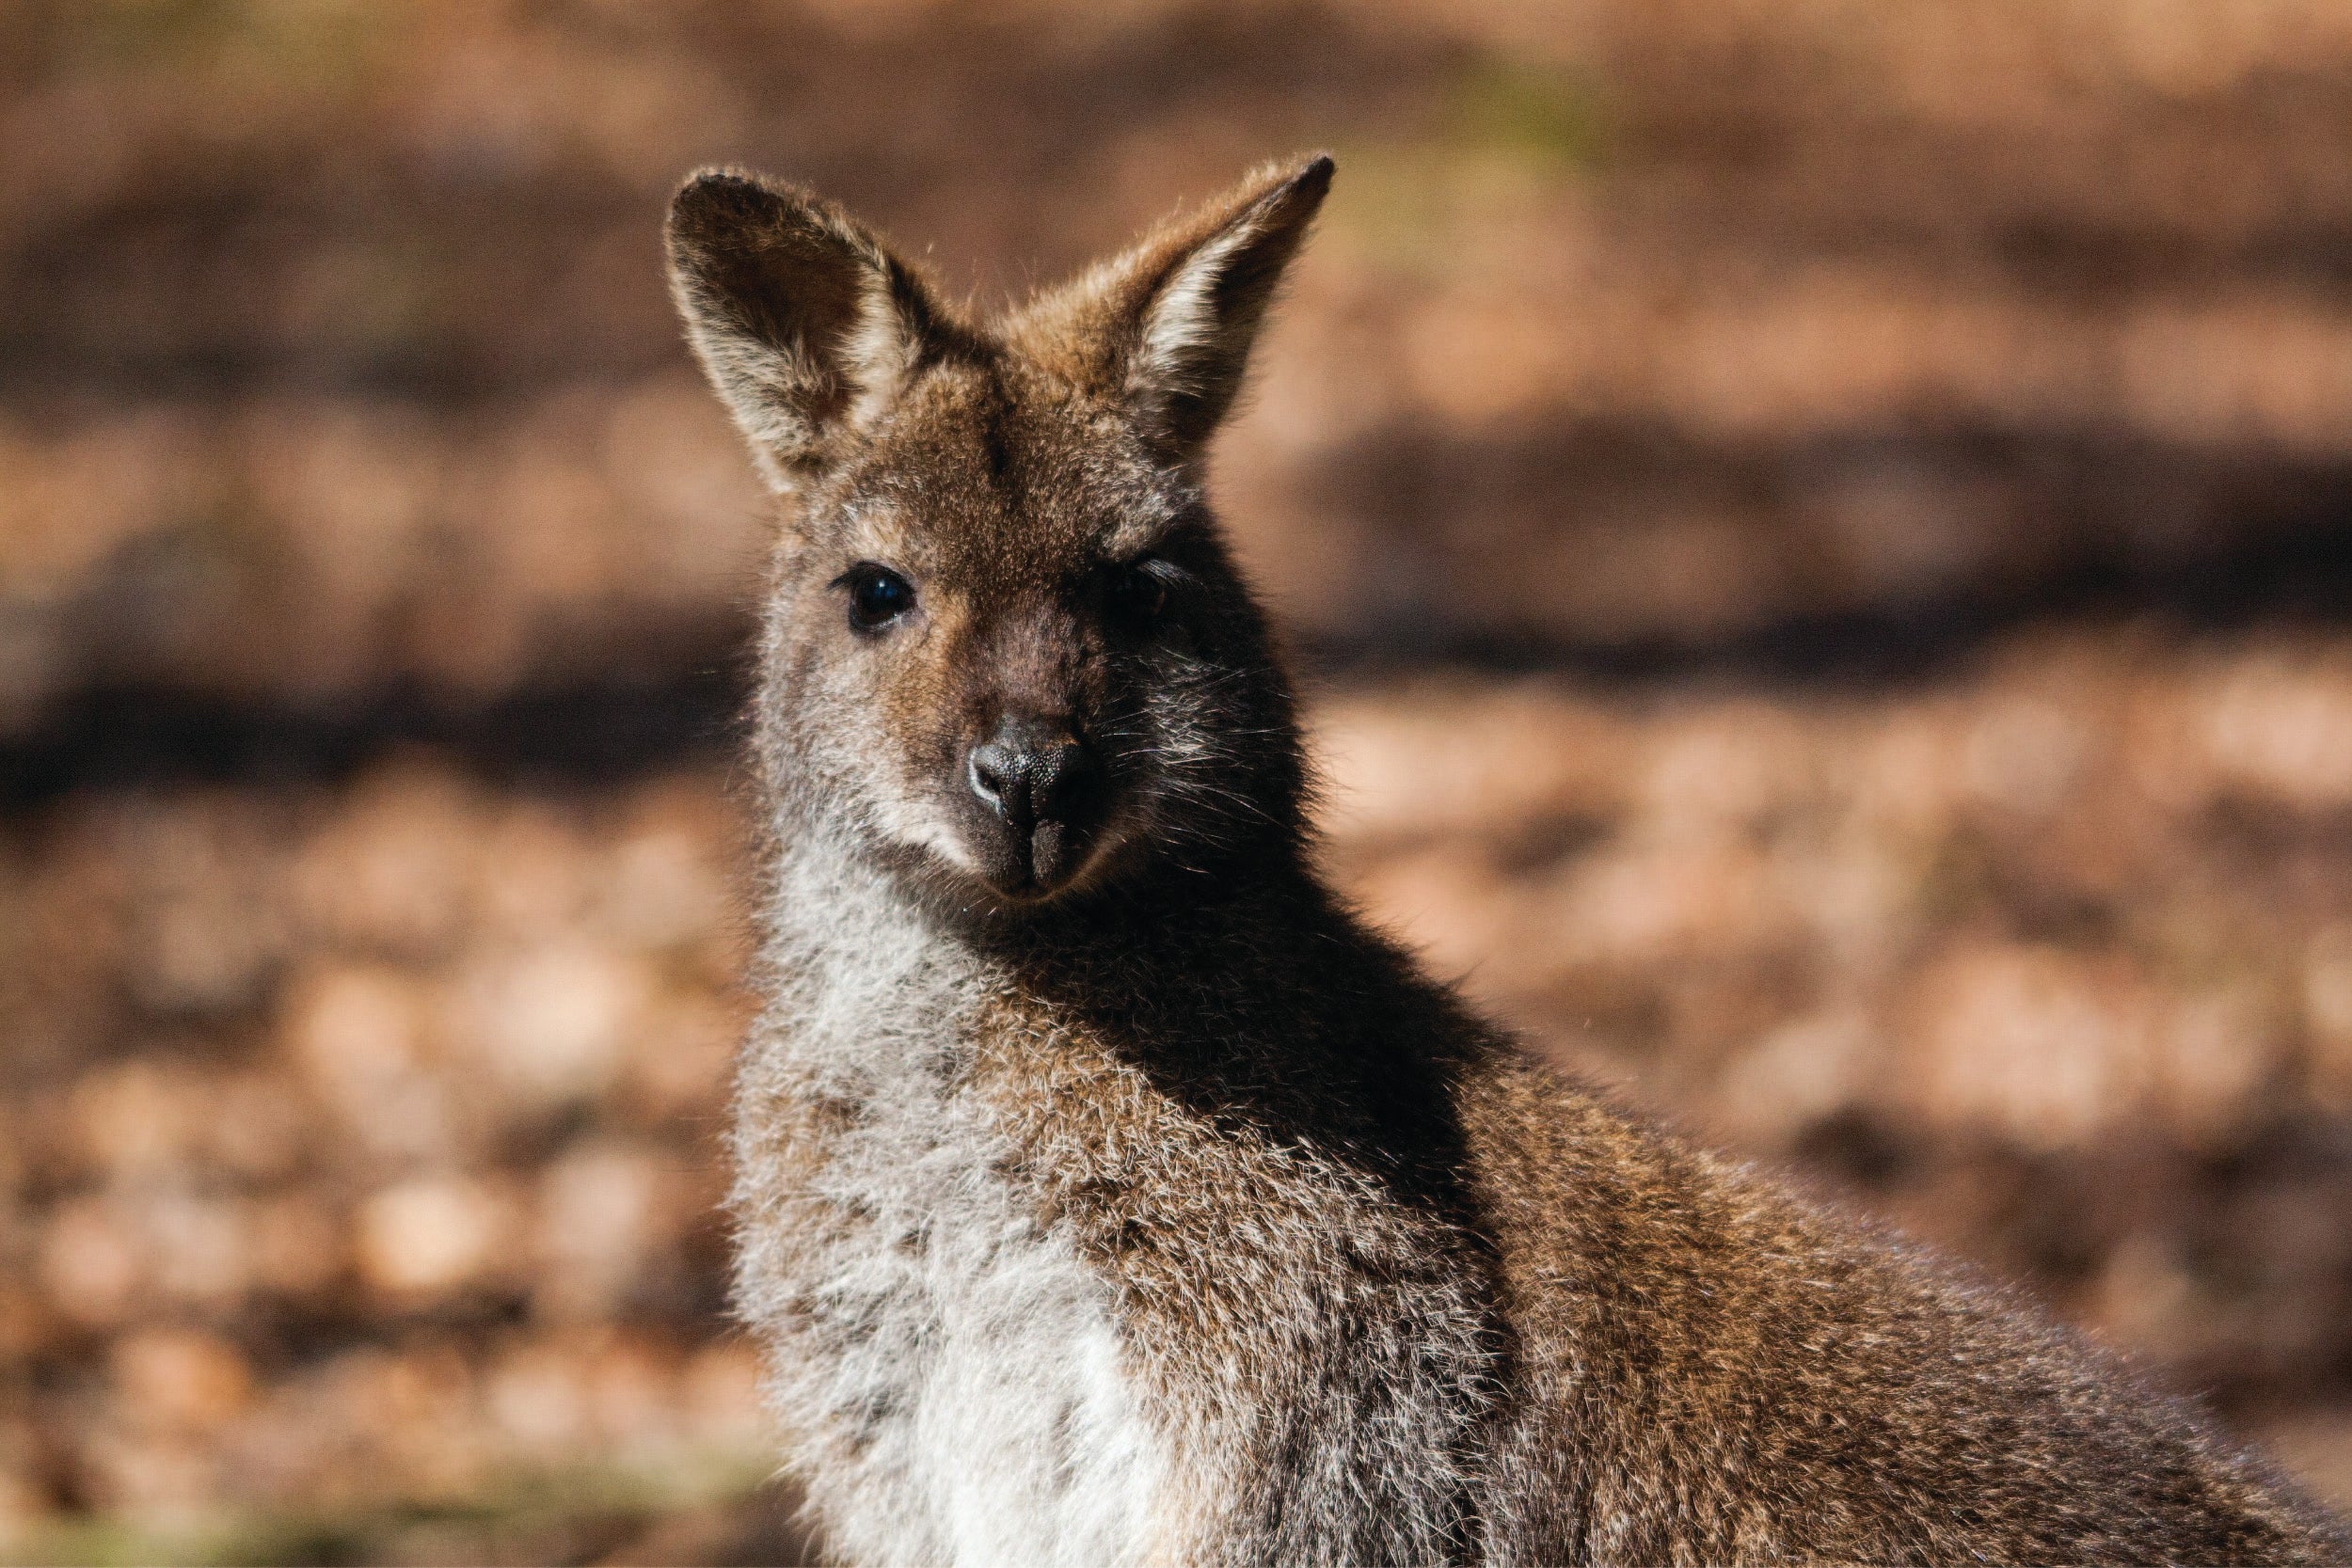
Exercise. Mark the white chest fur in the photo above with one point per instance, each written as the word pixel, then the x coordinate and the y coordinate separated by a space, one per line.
pixel 946 1372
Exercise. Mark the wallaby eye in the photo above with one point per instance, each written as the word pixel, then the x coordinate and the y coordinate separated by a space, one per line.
pixel 878 596
pixel 1139 590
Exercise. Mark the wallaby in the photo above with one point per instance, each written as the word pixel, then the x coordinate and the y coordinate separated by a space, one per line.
pixel 1107 1192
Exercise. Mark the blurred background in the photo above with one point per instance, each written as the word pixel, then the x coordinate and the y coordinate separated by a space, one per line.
pixel 1819 531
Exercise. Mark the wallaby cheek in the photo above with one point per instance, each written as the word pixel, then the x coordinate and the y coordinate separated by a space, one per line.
pixel 907 747
pixel 919 727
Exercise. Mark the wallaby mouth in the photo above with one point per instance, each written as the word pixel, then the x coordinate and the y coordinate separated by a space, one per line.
pixel 1054 854
pixel 1033 867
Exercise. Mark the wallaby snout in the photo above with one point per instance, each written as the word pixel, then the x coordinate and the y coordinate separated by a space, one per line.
pixel 1042 787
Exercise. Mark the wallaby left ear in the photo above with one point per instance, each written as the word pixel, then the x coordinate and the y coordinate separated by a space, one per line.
pixel 1171 323
pixel 808 326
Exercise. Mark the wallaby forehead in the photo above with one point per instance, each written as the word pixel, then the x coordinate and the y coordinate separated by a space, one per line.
pixel 997 476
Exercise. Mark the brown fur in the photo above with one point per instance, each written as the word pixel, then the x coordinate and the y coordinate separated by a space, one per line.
pixel 1108 1192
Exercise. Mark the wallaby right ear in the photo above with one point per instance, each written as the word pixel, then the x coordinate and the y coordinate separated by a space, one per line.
pixel 807 325
pixel 1166 328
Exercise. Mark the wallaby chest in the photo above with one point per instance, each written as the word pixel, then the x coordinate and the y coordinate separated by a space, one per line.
pixel 950 1367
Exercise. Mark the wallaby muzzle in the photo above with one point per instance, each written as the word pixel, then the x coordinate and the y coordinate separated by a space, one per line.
pixel 1041 790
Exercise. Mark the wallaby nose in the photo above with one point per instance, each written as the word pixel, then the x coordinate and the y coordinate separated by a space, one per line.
pixel 1032 771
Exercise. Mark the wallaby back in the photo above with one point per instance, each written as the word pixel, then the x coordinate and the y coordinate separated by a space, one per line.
pixel 1106 1190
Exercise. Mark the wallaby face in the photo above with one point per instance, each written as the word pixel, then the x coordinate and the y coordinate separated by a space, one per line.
pixel 1008 650
pixel 1105 1192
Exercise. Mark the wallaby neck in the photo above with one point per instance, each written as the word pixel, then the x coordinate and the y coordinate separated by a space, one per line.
pixel 1156 938
pixel 1253 994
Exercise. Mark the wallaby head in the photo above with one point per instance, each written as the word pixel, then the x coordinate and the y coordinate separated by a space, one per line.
pixel 1008 652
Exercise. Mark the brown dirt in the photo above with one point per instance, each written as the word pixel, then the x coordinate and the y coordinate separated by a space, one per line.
pixel 1822 541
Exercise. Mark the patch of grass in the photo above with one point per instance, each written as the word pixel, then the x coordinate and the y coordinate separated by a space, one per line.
pixel 1508 130
pixel 1540 113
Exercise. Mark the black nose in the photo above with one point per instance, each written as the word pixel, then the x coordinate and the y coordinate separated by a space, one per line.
pixel 1032 771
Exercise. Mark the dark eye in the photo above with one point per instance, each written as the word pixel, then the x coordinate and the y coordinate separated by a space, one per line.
pixel 878 596
pixel 1139 591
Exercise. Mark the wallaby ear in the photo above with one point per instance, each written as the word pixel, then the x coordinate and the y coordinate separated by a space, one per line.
pixel 807 325
pixel 1169 325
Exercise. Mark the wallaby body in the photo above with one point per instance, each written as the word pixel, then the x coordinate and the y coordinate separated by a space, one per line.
pixel 1107 1192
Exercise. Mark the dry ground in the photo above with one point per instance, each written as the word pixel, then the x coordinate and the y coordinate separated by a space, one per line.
pixel 1821 537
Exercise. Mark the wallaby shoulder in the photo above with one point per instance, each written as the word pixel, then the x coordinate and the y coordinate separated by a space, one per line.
pixel 1718 1370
